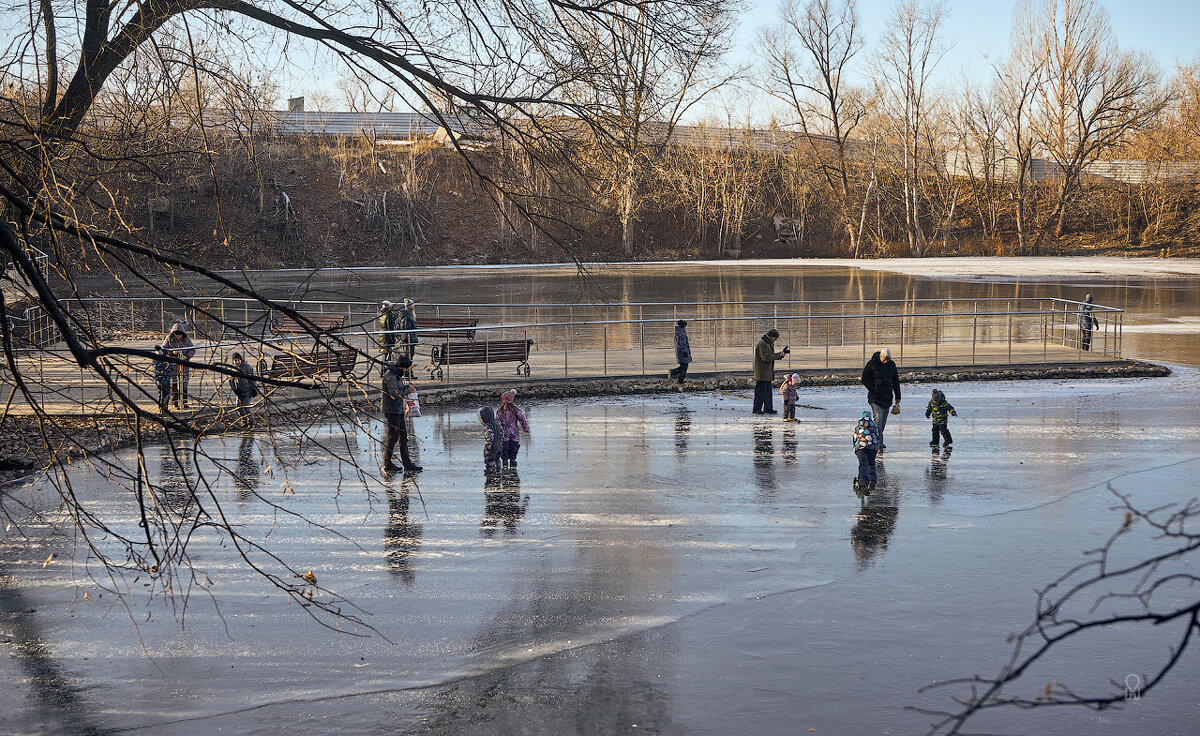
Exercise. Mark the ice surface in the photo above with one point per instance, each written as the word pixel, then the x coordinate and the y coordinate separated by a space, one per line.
pixel 669 561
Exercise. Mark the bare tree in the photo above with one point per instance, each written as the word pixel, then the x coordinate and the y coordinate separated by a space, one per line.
pixel 60 158
pixel 1117 586
pixel 643 79
pixel 910 50
pixel 1093 94
pixel 808 57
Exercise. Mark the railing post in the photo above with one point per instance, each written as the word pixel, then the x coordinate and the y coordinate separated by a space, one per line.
pixel 974 331
pixel 605 328
pixel 864 340
pixel 566 341
pixel 642 337
pixel 1045 337
pixel 486 354
pixel 713 327
pixel 937 336
pixel 1010 331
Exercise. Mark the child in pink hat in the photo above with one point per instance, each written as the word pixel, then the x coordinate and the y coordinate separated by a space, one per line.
pixel 512 421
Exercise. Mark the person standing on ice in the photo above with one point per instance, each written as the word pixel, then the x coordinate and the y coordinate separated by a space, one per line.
pixel 866 445
pixel 1087 321
pixel 394 409
pixel 512 421
pixel 493 436
pixel 882 381
pixel 764 372
pixel 683 352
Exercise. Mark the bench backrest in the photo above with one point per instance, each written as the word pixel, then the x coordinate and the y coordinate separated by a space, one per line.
pixel 322 323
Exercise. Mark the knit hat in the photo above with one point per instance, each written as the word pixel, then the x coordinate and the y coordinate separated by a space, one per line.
pixel 866 415
pixel 795 378
pixel 387 304
pixel 682 323
pixel 510 396
pixel 773 333
pixel 236 356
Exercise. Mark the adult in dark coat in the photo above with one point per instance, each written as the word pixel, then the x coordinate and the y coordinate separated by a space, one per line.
pixel 408 321
pixel 764 372
pixel 387 326
pixel 244 388
pixel 394 409
pixel 683 351
pixel 883 382
pixel 178 345
pixel 1087 322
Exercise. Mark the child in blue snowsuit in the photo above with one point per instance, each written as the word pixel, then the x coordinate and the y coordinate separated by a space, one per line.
pixel 866 446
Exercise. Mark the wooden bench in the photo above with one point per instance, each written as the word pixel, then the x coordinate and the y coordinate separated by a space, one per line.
pixel 289 365
pixel 449 328
pixel 322 323
pixel 487 351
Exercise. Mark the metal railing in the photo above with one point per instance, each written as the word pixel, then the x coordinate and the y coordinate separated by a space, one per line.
pixel 831 335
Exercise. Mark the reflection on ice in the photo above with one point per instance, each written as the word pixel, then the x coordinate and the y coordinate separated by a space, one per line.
pixel 660 560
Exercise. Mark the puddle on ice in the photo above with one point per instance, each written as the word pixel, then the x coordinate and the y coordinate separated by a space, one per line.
pixel 710 576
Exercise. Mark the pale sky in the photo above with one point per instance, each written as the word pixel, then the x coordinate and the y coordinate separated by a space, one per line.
pixel 1169 30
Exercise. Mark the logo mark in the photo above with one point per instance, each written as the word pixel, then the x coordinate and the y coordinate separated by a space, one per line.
pixel 1133 687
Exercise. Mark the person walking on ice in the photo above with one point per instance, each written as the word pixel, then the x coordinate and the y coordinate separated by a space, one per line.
pixel 683 352
pixel 512 421
pixel 938 408
pixel 882 381
pixel 866 447
pixel 764 372
pixel 791 394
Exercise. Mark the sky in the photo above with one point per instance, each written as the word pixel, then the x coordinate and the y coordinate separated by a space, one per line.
pixel 976 29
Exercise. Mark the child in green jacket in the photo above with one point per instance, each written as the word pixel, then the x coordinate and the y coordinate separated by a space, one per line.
pixel 938 408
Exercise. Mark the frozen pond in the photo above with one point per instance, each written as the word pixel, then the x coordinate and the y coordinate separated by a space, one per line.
pixel 1162 296
pixel 665 564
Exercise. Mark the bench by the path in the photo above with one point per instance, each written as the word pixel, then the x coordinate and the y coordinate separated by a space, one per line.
pixel 486 352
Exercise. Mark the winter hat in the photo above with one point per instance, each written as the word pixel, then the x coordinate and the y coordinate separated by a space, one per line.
pixel 865 415
pixel 773 333
pixel 508 396
pixel 682 323
pixel 487 415
pixel 408 302
pixel 885 353
pixel 794 378
pixel 236 356
pixel 938 395
pixel 387 304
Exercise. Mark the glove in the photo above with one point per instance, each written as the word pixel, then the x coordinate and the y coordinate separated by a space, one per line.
pixel 896 409
pixel 953 413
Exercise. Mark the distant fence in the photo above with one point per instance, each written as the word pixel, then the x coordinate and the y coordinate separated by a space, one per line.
pixel 582 340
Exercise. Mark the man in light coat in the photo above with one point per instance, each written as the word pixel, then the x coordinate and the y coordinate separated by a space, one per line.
pixel 764 372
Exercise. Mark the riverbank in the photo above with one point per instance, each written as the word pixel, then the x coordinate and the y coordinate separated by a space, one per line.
pixel 73 438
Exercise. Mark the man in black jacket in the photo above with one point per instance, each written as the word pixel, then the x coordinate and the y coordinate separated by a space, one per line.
pixel 394 410
pixel 883 382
